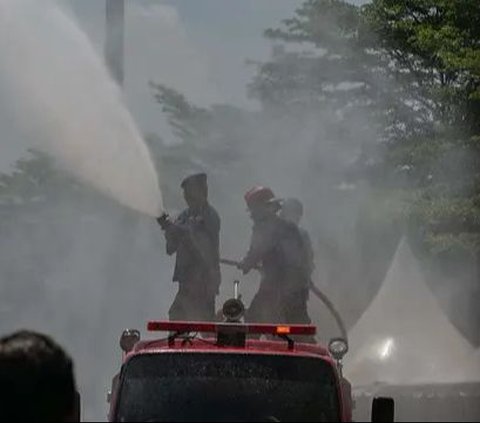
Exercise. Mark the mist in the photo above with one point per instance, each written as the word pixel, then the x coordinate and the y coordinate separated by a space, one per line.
pixel 68 267
pixel 68 105
pixel 82 257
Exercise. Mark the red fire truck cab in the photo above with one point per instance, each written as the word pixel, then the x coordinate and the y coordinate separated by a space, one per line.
pixel 224 372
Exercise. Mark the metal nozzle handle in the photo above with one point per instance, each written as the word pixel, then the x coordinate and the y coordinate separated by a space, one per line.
pixel 235 289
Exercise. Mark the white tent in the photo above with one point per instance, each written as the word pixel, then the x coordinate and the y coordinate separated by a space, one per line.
pixel 404 337
pixel 476 364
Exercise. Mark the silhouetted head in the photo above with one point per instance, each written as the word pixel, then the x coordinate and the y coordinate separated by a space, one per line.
pixel 261 203
pixel 36 379
pixel 292 210
pixel 195 190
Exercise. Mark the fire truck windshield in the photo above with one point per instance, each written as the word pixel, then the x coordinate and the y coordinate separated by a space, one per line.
pixel 227 387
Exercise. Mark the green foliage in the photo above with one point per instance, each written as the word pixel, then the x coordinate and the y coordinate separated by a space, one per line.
pixel 394 83
pixel 434 48
pixel 411 67
pixel 205 140
pixel 36 183
pixel 34 179
pixel 186 120
pixel 434 45
pixel 324 22
pixel 331 72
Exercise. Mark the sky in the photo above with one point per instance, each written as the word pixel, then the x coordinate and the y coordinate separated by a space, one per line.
pixel 199 47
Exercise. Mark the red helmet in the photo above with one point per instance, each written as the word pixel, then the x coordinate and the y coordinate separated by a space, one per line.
pixel 259 195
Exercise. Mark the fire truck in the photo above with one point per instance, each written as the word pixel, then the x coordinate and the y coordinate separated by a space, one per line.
pixel 232 371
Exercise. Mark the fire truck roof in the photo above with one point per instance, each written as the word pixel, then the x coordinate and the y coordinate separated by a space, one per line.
pixel 208 345
pixel 178 338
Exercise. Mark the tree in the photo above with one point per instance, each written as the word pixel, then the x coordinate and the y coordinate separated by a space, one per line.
pixel 210 139
pixel 434 49
pixel 371 115
pixel 434 46
pixel 34 186
pixel 326 69
pixel 311 127
pixel 334 74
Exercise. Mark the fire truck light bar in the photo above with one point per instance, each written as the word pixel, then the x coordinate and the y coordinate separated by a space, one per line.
pixel 258 329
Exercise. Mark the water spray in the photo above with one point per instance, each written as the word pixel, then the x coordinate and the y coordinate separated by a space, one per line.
pixel 68 105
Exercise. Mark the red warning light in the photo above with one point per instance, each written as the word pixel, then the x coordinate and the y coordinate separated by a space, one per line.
pixel 257 329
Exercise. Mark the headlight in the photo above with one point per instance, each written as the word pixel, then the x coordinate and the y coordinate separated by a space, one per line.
pixel 338 347
pixel 128 339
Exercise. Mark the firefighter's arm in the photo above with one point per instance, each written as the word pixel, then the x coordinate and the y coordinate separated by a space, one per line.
pixel 164 221
pixel 173 231
pixel 261 244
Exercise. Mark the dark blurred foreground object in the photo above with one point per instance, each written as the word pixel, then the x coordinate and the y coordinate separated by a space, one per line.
pixel 383 409
pixel 36 380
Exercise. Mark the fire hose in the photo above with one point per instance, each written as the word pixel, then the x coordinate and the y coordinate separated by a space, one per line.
pixel 316 291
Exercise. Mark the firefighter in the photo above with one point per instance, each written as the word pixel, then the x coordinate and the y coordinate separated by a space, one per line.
pixel 278 250
pixel 292 211
pixel 194 237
